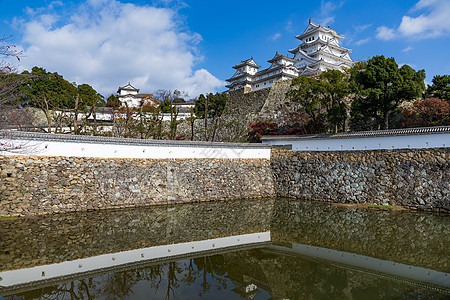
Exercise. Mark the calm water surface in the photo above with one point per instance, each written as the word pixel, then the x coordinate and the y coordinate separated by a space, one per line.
pixel 249 249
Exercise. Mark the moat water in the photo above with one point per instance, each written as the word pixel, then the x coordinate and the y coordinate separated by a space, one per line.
pixel 248 249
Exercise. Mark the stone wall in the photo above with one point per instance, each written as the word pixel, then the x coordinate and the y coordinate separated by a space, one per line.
pixel 415 178
pixel 267 104
pixel 40 185
pixel 244 107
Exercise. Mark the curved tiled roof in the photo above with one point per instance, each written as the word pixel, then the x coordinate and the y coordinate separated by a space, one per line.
pixel 35 136
pixel 127 87
pixel 249 62
pixel 362 134
pixel 313 27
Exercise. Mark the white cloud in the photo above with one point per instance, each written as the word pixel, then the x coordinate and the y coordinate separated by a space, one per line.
pixel 276 36
pixel 360 28
pixel 407 49
pixel 362 42
pixel 327 9
pixel 385 33
pixel 433 22
pixel 108 43
pixel 289 26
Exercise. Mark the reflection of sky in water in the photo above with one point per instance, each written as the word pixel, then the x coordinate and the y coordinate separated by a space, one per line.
pixel 408 239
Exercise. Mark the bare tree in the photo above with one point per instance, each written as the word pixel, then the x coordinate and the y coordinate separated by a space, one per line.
pixel 12 89
pixel 6 52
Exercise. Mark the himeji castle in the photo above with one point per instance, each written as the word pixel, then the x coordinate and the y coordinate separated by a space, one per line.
pixel 319 51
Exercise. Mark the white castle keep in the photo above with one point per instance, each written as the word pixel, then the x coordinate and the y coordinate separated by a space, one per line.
pixel 319 51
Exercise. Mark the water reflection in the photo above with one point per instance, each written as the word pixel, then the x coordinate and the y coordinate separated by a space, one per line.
pixel 411 238
pixel 252 271
pixel 249 274
pixel 52 239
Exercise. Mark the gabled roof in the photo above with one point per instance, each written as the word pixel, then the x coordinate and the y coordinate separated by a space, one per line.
pixel 313 27
pixel 238 75
pixel 295 50
pixel 341 58
pixel 304 55
pixel 325 48
pixel 248 62
pixel 279 56
pixel 309 71
pixel 128 87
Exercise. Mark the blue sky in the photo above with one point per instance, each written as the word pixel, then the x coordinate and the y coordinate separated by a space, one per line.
pixel 192 45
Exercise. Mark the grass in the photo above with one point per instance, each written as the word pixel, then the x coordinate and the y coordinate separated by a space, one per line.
pixel 382 207
pixel 7 217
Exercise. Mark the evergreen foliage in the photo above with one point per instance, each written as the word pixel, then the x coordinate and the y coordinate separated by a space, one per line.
pixel 440 87
pixel 379 87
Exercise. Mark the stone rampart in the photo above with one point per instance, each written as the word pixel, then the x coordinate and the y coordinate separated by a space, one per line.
pixel 40 185
pixel 267 104
pixel 32 184
pixel 415 178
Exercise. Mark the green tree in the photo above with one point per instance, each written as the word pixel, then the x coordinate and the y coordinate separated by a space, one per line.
pixel 201 111
pixel 50 91
pixel 13 88
pixel 90 101
pixel 113 101
pixel 166 106
pixel 217 109
pixel 334 89
pixel 440 87
pixel 212 106
pixel 309 93
pixel 380 86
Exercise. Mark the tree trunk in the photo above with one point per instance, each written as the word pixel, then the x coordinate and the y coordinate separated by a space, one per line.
pixel 95 117
pixel 386 120
pixel 192 128
pixel 173 123
pixel 192 121
pixel 141 123
pixel 206 119
pixel 75 115
pixel 216 129
pixel 47 115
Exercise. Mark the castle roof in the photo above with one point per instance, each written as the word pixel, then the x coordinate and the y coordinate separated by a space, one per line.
pixel 127 87
pixel 248 62
pixel 279 56
pixel 313 27
pixel 238 75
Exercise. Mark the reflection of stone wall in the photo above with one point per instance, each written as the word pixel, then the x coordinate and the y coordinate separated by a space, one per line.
pixel 416 178
pixel 40 185
pixel 299 277
pixel 412 238
pixel 27 242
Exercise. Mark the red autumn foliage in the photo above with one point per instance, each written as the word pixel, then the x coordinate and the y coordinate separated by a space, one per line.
pixel 427 112
pixel 260 128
